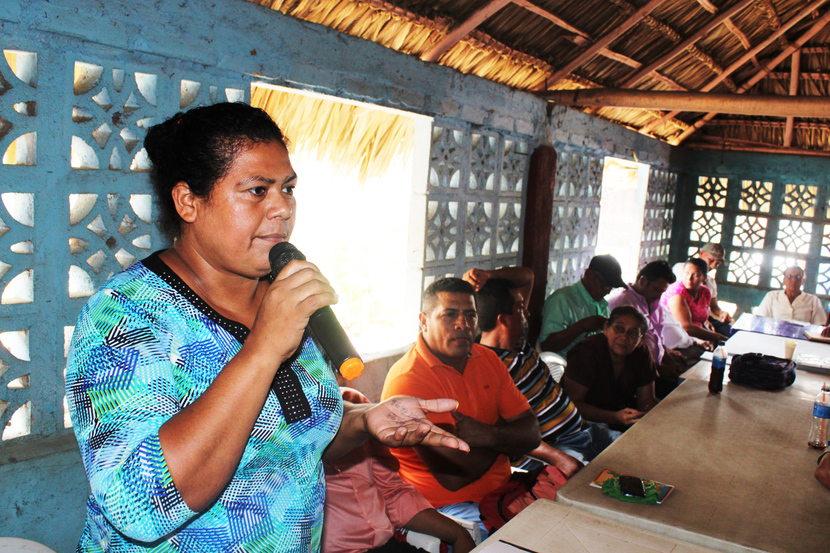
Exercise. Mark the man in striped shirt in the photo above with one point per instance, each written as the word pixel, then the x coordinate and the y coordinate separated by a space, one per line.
pixel 502 297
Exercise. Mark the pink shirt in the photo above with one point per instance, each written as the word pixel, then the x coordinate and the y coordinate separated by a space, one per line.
pixel 366 499
pixel 699 309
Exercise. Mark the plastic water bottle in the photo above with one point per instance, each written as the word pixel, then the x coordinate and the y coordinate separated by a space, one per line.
pixel 718 368
pixel 820 428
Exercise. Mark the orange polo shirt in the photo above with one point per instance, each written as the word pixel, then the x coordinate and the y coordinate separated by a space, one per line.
pixel 485 392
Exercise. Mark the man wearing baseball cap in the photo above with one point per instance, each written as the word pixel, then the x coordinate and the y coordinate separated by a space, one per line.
pixel 713 254
pixel 574 312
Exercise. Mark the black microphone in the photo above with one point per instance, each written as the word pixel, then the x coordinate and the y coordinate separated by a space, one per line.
pixel 323 323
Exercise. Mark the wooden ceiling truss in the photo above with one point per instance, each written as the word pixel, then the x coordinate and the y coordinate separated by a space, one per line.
pixel 714 47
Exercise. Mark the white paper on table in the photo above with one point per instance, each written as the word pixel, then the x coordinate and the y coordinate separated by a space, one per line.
pixel 504 547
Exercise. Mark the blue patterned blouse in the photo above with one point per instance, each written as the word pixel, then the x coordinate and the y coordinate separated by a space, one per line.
pixel 146 346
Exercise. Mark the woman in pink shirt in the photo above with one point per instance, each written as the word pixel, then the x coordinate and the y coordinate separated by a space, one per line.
pixel 688 300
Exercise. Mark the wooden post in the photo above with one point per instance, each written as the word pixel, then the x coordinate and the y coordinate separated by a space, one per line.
pixel 538 218
pixel 795 64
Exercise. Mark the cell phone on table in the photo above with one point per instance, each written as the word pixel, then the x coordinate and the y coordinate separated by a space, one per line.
pixel 632 486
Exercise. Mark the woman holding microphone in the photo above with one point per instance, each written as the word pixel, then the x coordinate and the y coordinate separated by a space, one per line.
pixel 201 407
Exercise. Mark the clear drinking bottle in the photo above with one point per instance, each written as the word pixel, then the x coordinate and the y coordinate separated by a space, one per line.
pixel 820 428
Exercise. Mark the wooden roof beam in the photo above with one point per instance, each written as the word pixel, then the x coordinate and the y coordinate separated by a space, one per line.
pixel 742 38
pixel 603 42
pixel 771 149
pixel 810 33
pixel 634 79
pixel 551 17
pixel 708 6
pixel 463 29
pixel 795 65
pixel 636 64
pixel 767 124
pixel 729 24
pixel 454 36
pixel 739 34
pixel 651 69
pixel 808 10
pixel 773 106
pixel 802 75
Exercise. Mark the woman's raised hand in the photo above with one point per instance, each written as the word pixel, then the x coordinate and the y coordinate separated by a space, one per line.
pixel 297 292
pixel 401 421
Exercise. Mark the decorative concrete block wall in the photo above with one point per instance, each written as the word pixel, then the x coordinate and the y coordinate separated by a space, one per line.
pixel 576 197
pixel 658 215
pixel 582 142
pixel 768 211
pixel 475 195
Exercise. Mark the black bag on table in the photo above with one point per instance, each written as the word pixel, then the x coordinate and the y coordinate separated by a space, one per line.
pixel 765 372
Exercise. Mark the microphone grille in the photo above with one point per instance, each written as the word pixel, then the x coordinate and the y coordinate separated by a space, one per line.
pixel 280 255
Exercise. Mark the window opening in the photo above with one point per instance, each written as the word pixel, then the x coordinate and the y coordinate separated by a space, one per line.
pixel 362 177
pixel 622 204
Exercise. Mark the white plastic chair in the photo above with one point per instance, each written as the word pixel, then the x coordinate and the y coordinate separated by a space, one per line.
pixel 431 544
pixel 19 545
pixel 555 362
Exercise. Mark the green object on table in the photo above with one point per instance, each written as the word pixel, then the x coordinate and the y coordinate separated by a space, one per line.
pixel 612 488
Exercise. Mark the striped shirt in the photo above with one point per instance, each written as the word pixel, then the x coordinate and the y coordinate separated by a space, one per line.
pixel 557 414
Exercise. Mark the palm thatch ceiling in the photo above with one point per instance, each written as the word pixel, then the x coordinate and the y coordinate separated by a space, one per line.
pixel 671 69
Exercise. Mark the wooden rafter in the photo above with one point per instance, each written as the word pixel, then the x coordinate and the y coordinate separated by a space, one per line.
pixel 768 124
pixel 603 42
pixel 739 34
pixel 802 75
pixel 771 105
pixel 761 148
pixel 806 11
pixel 708 6
pixel 457 33
pixel 686 45
pixel 551 17
pixel 815 28
pixel 795 64
pixel 634 79
pixel 728 23
pixel 463 29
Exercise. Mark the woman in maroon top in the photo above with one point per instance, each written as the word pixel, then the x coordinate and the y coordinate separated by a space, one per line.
pixel 610 376
pixel 688 300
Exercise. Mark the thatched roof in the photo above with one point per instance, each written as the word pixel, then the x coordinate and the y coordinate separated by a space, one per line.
pixel 710 46
pixel 348 136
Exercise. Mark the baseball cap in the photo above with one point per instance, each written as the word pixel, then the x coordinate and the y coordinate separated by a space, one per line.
pixel 713 249
pixel 609 268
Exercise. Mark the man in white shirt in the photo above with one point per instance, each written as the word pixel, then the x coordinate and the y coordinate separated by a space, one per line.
pixel 791 304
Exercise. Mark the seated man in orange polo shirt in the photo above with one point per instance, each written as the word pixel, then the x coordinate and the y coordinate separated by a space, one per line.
pixel 493 416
